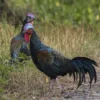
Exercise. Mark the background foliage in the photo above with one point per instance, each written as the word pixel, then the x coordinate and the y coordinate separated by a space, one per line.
pixel 57 11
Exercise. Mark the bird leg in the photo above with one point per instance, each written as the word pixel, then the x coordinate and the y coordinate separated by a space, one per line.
pixel 59 86
pixel 51 84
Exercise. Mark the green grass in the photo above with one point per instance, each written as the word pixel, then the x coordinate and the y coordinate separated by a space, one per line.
pixel 24 80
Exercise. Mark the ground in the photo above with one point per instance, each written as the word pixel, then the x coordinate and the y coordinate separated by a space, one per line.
pixel 83 93
pixel 41 91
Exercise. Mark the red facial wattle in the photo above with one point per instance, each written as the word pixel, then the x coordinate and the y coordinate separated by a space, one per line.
pixel 27 35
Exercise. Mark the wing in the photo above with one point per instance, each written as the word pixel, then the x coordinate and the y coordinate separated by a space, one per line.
pixel 16 43
pixel 24 49
pixel 52 63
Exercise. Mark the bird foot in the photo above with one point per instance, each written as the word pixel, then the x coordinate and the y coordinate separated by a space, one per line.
pixel 62 92
pixel 67 95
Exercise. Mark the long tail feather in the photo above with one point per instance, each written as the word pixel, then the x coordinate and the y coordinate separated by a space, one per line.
pixel 82 70
pixel 86 59
pixel 90 71
pixel 79 72
pixel 85 65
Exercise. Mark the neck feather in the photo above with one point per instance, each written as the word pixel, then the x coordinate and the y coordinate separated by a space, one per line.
pixel 35 41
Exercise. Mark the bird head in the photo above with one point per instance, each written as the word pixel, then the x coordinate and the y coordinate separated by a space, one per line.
pixel 29 17
pixel 28 30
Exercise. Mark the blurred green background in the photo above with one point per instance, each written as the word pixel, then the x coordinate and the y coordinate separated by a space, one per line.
pixel 72 12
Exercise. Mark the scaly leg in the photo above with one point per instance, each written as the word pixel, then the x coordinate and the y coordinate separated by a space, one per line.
pixel 51 84
pixel 59 86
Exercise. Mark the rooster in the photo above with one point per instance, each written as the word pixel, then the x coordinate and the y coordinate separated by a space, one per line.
pixel 54 64
pixel 18 43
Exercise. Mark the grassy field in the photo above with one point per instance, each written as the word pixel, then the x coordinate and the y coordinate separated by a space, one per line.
pixel 23 81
